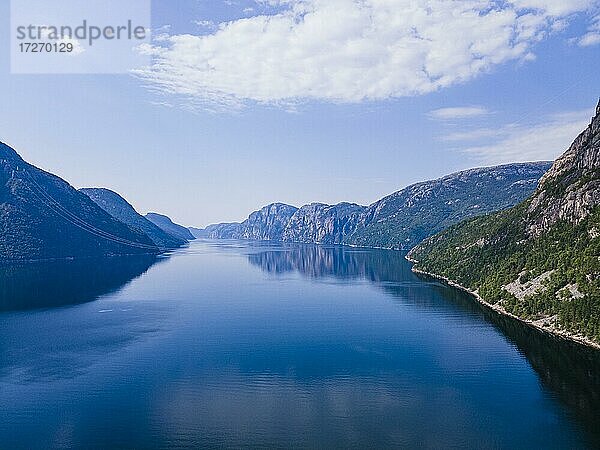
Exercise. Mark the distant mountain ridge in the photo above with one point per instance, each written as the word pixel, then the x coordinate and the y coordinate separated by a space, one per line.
pixel 322 223
pixel 168 226
pixel 540 260
pixel 120 209
pixel 403 219
pixel 314 223
pixel 43 217
pixel 399 220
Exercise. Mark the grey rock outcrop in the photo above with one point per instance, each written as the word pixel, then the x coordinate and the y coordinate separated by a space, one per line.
pixel 571 188
pixel 323 224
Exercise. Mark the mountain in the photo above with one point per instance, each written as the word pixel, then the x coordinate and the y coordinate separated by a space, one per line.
pixel 316 223
pixel 228 230
pixel 43 217
pixel 539 261
pixel 172 229
pixel 398 221
pixel 120 209
pixel 403 219
pixel 323 224
pixel 197 232
pixel 266 224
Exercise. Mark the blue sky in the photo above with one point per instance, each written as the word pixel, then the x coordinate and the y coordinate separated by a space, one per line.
pixel 308 100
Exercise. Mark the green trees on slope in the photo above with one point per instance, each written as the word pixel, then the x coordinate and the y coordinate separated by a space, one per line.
pixel 489 252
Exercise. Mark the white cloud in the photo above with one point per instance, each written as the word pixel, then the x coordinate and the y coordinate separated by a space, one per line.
pixel 473 135
pixel 352 50
pixel 589 39
pixel 514 142
pixel 554 7
pixel 592 37
pixel 459 112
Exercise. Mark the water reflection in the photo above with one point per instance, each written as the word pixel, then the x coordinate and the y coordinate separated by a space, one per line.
pixel 339 262
pixel 58 283
pixel 33 348
pixel 568 370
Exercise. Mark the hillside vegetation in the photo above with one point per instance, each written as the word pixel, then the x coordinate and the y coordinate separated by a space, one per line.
pixel 541 259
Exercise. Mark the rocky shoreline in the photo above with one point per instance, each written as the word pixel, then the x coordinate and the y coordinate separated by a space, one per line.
pixel 562 334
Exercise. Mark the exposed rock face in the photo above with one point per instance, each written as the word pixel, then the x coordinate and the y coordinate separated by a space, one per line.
pixel 323 224
pixel 399 220
pixel 120 209
pixel 231 230
pixel 43 217
pixel 539 260
pixel 571 188
pixel 314 223
pixel 268 223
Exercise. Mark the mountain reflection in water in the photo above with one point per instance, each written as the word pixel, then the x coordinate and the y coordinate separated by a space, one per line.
pixel 50 284
pixel 569 370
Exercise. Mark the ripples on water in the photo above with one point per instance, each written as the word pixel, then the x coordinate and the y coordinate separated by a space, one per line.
pixel 233 343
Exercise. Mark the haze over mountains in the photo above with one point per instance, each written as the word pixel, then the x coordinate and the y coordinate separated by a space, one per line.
pixel 166 224
pixel 398 221
pixel 43 217
pixel 120 209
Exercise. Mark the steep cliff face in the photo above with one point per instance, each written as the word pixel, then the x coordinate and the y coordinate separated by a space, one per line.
pixel 397 221
pixel 43 217
pixel 231 230
pixel 541 259
pixel 323 224
pixel 404 218
pixel 268 223
pixel 570 190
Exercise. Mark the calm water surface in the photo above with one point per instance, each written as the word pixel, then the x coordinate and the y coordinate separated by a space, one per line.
pixel 225 344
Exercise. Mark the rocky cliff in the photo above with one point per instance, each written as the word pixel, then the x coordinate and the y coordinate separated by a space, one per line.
pixel 268 223
pixel 399 220
pixel 539 261
pixel 570 190
pixel 323 224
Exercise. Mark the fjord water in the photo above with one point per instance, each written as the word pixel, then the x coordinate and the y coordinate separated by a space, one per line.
pixel 229 344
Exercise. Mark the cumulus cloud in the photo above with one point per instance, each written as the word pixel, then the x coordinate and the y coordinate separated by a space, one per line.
pixel 545 140
pixel 351 50
pixel 458 112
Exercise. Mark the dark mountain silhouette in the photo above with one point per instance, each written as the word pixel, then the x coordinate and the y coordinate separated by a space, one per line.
pixel 120 209
pixel 43 217
pixel 167 225
pixel 48 284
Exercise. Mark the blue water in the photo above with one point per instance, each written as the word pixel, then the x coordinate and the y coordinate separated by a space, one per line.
pixel 229 344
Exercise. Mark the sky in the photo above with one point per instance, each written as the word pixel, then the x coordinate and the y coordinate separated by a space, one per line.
pixel 248 102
